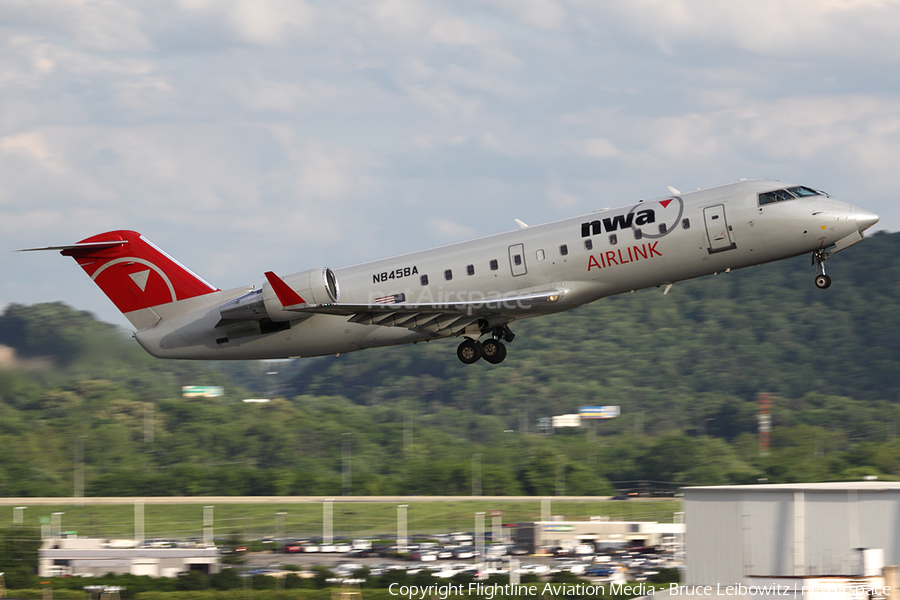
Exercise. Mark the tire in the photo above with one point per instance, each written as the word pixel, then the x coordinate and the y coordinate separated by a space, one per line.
pixel 469 352
pixel 493 351
pixel 823 281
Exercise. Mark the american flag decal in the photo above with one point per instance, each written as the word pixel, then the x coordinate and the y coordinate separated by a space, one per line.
pixel 392 299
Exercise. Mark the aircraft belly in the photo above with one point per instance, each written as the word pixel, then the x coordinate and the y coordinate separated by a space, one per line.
pixel 316 336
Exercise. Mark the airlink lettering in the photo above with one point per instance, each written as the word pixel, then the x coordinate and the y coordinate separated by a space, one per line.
pixel 623 256
pixel 641 217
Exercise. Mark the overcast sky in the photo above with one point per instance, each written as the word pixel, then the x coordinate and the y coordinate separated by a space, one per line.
pixel 251 135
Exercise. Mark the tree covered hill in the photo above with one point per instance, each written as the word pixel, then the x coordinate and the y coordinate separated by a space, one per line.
pixel 686 368
pixel 678 358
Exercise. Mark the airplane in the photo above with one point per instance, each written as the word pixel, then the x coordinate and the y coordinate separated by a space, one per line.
pixel 469 289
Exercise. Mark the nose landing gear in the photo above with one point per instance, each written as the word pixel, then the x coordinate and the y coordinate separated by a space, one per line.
pixel 818 258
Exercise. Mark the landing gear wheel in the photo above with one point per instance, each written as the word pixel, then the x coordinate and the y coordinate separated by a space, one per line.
pixel 818 258
pixel 493 351
pixel 469 351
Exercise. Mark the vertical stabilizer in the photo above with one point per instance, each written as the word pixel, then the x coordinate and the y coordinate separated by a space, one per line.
pixel 135 274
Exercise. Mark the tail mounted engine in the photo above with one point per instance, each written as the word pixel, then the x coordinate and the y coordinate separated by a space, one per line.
pixel 315 286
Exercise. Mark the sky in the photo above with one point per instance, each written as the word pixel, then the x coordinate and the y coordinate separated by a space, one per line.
pixel 243 136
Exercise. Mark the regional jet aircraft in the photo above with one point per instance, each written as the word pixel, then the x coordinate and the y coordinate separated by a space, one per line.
pixel 470 289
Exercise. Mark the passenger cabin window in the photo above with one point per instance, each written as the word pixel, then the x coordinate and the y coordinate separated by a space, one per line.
pixel 588 245
pixel 424 279
pixel 788 194
pixel 448 274
pixel 638 234
pixel 662 228
pixel 494 265
pixel 470 269
pixel 686 223
pixel 613 239
pixel 540 254
pixel 563 250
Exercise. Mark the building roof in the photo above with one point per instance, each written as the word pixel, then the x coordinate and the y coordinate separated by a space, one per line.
pixel 62 553
pixel 835 486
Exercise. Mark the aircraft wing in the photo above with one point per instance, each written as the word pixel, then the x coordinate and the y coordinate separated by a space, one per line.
pixel 429 317
pixel 432 317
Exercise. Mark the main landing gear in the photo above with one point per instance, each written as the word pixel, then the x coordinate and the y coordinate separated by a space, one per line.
pixel 492 350
pixel 818 258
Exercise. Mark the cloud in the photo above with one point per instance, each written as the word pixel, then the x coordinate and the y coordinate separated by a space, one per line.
pixel 448 230
pixel 99 25
pixel 809 28
pixel 293 134
pixel 599 148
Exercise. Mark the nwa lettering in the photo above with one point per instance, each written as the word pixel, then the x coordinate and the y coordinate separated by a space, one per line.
pixel 616 222
pixel 623 256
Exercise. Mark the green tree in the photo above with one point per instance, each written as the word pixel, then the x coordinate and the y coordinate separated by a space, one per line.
pixel 19 551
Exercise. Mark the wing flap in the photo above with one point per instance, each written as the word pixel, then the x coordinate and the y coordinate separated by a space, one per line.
pixel 434 318
pixel 511 305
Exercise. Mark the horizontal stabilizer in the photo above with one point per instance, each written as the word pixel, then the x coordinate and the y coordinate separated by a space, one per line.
pixel 80 246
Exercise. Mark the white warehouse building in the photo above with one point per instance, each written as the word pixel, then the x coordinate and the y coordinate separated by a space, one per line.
pixel 66 557
pixel 750 533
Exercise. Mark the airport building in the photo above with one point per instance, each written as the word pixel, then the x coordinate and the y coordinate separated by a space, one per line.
pixel 814 535
pixel 541 537
pixel 59 557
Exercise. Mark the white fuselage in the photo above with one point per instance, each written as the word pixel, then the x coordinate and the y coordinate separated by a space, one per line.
pixel 584 258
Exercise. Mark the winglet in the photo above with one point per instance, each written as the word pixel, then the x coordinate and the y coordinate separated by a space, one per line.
pixel 286 295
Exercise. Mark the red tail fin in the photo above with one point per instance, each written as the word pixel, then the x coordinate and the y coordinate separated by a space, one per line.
pixel 133 272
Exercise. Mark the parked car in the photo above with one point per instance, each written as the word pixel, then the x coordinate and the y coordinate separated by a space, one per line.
pixel 464 552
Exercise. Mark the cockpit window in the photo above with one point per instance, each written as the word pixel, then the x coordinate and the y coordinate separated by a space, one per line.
pixel 788 194
pixel 803 191
pixel 776 196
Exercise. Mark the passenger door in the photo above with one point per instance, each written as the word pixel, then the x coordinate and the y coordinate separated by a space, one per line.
pixel 717 230
pixel 517 260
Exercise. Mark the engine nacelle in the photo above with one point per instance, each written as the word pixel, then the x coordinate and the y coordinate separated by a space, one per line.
pixel 315 286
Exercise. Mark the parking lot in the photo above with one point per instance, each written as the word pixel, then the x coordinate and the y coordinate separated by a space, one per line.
pixel 446 561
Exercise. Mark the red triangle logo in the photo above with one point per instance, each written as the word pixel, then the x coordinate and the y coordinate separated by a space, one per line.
pixel 665 203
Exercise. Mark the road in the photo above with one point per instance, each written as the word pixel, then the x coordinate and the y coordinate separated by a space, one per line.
pixel 58 501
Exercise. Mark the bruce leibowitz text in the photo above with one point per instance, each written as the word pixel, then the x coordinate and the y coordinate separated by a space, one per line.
pixel 425 592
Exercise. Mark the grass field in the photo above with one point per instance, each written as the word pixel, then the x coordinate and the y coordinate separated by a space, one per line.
pixel 254 520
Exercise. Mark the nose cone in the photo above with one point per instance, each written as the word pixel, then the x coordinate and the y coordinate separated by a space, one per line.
pixel 864 218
